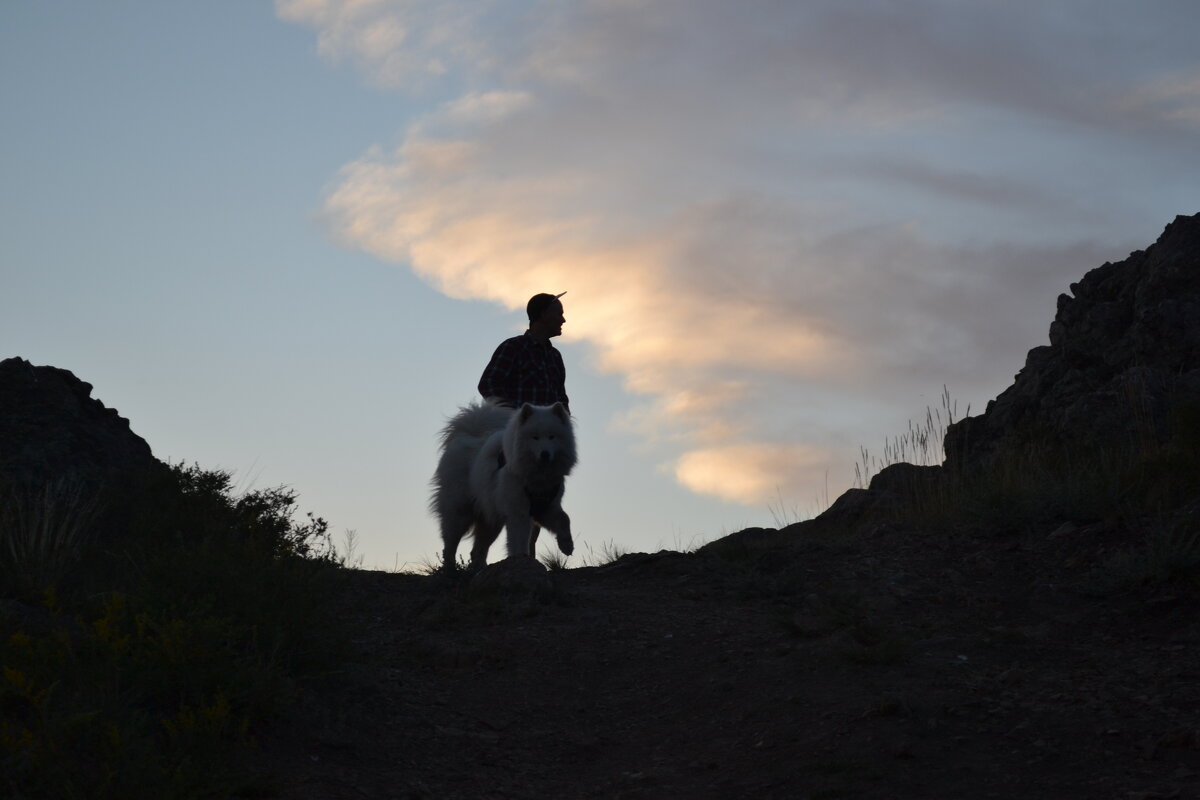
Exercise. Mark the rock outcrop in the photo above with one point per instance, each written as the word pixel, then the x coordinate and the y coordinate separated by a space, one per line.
pixel 53 430
pixel 1124 356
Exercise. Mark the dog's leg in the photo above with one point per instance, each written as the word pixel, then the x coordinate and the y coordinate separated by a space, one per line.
pixel 454 528
pixel 533 539
pixel 520 535
pixel 556 520
pixel 485 534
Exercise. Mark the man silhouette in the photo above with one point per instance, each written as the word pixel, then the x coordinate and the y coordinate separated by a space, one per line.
pixel 527 368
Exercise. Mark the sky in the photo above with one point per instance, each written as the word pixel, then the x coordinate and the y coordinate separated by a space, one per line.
pixel 284 239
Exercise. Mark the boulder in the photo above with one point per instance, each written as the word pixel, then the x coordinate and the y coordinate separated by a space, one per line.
pixel 517 576
pixel 855 505
pixel 890 489
pixel 53 431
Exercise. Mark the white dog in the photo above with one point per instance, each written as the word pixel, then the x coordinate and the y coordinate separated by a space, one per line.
pixel 503 468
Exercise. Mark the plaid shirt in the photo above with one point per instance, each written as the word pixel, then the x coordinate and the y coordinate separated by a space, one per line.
pixel 525 369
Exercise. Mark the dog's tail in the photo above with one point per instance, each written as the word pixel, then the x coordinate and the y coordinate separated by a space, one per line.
pixel 479 420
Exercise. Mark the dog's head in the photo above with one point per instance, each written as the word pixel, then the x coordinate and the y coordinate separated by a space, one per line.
pixel 545 435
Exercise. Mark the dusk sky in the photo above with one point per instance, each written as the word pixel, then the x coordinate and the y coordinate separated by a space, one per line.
pixel 285 239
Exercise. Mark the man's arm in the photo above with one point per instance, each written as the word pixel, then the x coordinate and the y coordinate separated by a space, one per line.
pixel 499 380
pixel 562 381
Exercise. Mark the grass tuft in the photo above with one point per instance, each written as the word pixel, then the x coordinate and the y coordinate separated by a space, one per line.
pixel 554 561
pixel 44 532
pixel 1148 478
pixel 921 444
pixel 607 553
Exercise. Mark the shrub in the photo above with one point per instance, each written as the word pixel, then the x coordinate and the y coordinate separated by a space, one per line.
pixel 149 669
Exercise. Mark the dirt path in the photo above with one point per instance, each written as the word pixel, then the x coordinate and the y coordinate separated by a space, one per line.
pixel 897 664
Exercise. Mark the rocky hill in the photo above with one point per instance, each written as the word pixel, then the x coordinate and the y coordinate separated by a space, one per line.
pixel 1117 391
pixel 1124 354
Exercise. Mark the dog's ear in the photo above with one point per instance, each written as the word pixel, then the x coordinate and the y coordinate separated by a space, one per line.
pixel 526 412
pixel 561 412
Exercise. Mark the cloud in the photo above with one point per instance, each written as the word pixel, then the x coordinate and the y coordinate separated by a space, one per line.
pixel 396 43
pixel 750 473
pixel 1172 99
pixel 754 211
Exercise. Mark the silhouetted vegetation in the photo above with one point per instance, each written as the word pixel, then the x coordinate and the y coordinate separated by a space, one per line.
pixel 1141 485
pixel 144 662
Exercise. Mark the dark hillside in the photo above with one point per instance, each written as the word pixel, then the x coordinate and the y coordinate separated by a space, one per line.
pixel 1020 622
pixel 811 662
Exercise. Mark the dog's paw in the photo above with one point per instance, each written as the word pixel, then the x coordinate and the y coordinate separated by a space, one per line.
pixel 566 545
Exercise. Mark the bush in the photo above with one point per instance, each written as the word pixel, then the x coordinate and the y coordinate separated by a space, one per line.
pixel 148 669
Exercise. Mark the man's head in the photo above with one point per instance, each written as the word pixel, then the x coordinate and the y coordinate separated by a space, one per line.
pixel 545 313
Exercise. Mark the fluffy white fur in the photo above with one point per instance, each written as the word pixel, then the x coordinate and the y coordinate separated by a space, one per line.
pixel 476 491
